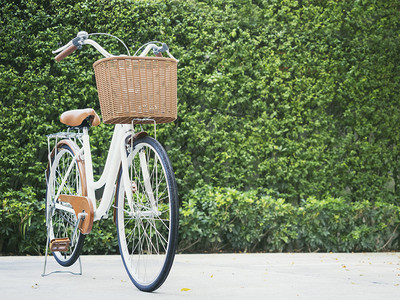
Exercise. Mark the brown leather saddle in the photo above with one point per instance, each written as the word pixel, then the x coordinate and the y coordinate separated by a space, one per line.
pixel 80 117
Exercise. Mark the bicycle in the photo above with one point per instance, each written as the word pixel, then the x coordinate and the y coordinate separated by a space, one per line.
pixel 137 170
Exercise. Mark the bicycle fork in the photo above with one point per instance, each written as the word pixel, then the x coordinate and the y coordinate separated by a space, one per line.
pixel 131 187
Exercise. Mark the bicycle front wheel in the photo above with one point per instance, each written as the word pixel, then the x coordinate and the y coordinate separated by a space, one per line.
pixel 147 224
pixel 60 217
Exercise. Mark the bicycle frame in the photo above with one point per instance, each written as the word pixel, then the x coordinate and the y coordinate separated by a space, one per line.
pixel 116 158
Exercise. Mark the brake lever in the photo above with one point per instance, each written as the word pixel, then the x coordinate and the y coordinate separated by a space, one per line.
pixel 78 42
pixel 158 50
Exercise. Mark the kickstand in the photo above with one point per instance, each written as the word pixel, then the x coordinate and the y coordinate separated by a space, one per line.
pixel 45 262
pixel 54 272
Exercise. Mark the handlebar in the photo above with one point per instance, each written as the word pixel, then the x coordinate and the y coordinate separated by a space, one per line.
pixel 65 53
pixel 83 39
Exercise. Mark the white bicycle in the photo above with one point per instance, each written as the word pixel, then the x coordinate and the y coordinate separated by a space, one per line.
pixel 137 171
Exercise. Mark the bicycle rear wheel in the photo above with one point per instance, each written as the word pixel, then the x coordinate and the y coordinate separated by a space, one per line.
pixel 60 217
pixel 148 226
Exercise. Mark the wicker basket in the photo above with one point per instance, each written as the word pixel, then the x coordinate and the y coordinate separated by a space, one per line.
pixel 137 88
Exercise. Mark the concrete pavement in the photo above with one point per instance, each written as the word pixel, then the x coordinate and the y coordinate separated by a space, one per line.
pixel 214 276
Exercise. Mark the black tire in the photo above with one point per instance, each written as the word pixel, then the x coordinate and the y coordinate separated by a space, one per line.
pixel 148 234
pixel 62 223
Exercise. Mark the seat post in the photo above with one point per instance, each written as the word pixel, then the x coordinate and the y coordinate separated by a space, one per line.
pixel 88 165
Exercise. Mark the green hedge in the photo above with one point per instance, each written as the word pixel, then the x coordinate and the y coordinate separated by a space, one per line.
pixel 224 219
pixel 297 97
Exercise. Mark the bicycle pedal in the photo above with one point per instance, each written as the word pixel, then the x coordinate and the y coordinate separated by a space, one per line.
pixel 61 244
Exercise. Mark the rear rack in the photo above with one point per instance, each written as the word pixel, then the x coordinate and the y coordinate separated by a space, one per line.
pixel 54 138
